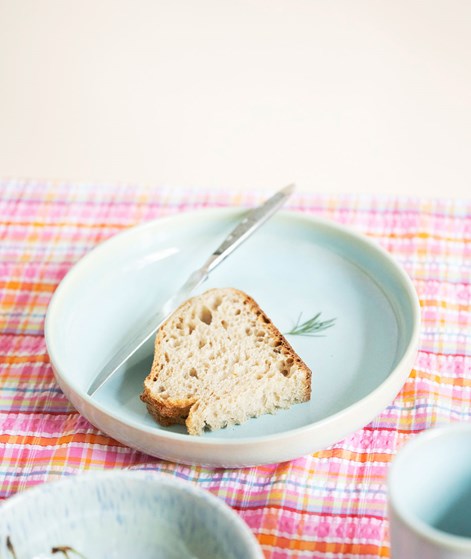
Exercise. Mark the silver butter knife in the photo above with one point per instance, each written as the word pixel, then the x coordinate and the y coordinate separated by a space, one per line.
pixel 249 224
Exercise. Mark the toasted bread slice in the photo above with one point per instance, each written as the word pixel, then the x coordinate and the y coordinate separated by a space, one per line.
pixel 219 361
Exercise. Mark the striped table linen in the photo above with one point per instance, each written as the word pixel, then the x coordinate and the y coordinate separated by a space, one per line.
pixel 331 504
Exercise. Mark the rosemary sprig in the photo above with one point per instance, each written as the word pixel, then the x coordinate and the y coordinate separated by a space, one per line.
pixel 65 550
pixel 311 327
pixel 11 549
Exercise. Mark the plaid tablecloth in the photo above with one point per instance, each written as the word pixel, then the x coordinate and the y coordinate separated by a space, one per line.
pixel 331 504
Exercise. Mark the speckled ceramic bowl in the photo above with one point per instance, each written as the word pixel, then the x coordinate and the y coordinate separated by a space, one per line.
pixel 121 515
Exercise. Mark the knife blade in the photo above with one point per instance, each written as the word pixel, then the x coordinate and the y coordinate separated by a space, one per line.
pixel 252 220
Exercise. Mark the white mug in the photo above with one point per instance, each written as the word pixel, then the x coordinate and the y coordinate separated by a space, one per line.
pixel 429 495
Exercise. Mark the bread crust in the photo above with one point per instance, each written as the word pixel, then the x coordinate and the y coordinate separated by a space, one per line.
pixel 284 344
pixel 168 411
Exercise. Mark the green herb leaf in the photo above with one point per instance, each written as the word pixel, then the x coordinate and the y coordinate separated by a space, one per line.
pixel 311 327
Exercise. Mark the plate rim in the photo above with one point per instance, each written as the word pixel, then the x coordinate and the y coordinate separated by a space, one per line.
pixel 407 357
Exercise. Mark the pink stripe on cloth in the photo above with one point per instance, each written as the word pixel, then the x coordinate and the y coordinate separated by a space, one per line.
pixel 331 504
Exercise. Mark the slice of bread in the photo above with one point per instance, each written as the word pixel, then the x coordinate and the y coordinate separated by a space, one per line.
pixel 219 361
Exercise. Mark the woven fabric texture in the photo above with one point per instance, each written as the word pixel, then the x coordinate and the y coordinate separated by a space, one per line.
pixel 331 504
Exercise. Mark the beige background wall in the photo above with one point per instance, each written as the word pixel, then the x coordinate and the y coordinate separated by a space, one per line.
pixel 338 95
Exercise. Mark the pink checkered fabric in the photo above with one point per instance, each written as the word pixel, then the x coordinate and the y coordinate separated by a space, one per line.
pixel 331 504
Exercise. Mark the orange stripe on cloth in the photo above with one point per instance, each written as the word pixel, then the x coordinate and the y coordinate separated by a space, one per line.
pixel 323 547
pixel 81 438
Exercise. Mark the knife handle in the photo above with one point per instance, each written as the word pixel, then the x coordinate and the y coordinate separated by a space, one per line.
pixel 251 222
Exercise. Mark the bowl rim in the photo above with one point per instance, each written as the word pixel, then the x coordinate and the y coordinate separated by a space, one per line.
pixel 157 479
pixel 406 517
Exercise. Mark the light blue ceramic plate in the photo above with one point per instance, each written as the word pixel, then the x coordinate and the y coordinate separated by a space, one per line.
pixel 122 515
pixel 294 264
